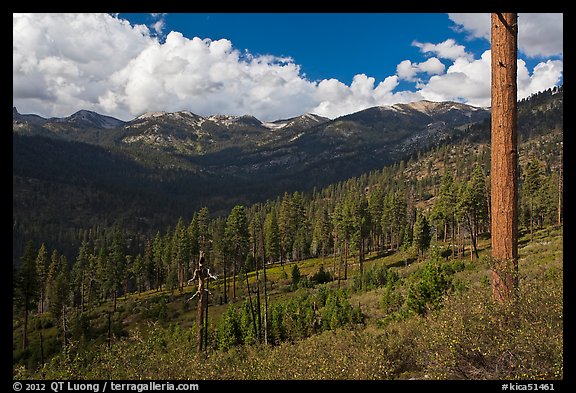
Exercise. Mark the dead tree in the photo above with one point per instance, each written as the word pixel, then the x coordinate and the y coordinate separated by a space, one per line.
pixel 504 156
pixel 203 275
pixel 560 185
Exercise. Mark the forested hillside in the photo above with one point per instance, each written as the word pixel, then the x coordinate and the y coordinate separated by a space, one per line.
pixel 394 252
pixel 144 186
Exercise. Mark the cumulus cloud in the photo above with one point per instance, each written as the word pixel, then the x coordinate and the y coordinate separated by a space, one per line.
pixel 66 62
pixel 207 77
pixel 62 62
pixel 544 75
pixel 539 34
pixel 337 99
pixel 407 70
pixel 448 49
pixel 469 81
pixel 465 81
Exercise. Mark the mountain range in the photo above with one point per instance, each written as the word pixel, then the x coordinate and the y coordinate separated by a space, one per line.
pixel 239 145
pixel 90 169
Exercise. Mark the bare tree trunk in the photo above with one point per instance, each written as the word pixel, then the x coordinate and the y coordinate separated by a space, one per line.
pixel 109 329
pixel 560 185
pixel 250 302
pixel 265 289
pixel 361 259
pixel 41 347
pixel 458 241
pixel 82 292
pixel 25 332
pixel 201 307
pixel 531 219
pixel 206 316
pixel 64 327
pixel 346 260
pixel 334 260
pixel 339 266
pixel 259 315
pixel 234 278
pixel 504 156
pixel 453 240
pixel 225 282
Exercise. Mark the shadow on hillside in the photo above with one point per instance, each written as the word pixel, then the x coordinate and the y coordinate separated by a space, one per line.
pixel 404 262
pixel 523 241
pixel 379 255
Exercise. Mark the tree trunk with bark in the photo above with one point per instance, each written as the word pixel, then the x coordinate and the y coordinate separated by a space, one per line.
pixel 504 156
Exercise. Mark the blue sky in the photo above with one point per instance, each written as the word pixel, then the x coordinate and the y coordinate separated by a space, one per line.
pixel 269 65
pixel 333 45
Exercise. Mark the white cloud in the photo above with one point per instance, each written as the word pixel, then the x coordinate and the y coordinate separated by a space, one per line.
pixel 432 66
pixel 407 70
pixel 539 34
pixel 469 81
pixel 209 77
pixel 159 24
pixel 337 99
pixel 545 75
pixel 66 62
pixel 61 62
pixel 477 25
pixel 448 49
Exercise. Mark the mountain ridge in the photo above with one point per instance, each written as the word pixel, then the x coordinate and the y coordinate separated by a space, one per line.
pixel 94 176
pixel 424 106
pixel 185 132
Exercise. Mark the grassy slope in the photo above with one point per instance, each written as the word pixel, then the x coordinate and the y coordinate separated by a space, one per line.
pixel 470 337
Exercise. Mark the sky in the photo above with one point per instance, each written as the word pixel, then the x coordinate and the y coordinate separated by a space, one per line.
pixel 272 66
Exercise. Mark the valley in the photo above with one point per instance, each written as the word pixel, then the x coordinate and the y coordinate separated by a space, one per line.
pixel 116 290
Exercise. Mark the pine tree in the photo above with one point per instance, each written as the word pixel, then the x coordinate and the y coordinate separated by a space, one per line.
pixel 92 278
pixel 288 227
pixel 375 200
pixel 42 266
pixel 445 203
pixel 169 261
pixel 158 251
pixel 181 250
pixel 421 233
pixel 139 272
pixel 103 273
pixel 471 206
pixel 322 231
pixel 237 236
pixel 300 224
pixel 149 265
pixel 61 295
pixel 220 250
pixel 337 222
pixel 394 217
pixel 533 184
pixel 272 236
pixel 360 226
pixel 117 259
pixel 79 276
pixel 27 286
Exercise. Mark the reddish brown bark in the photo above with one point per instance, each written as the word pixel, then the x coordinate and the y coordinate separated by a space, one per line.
pixel 504 156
